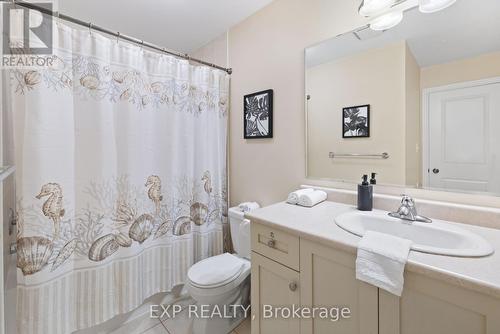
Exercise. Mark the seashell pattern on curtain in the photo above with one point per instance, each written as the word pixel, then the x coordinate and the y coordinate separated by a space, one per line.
pixel 121 178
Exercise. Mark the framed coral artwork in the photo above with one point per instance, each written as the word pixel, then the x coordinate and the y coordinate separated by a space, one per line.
pixel 258 115
pixel 356 122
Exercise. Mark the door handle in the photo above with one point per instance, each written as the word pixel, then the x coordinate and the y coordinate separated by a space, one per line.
pixel 435 171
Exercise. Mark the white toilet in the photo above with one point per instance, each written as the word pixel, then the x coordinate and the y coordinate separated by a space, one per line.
pixel 223 280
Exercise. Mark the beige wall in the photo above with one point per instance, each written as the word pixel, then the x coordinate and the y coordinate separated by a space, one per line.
pixel 267 51
pixel 480 67
pixel 375 77
pixel 413 116
pixel 214 52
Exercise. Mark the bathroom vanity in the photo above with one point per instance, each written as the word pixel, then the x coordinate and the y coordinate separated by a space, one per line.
pixel 301 256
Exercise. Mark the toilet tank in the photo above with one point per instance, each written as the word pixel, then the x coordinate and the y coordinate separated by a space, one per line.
pixel 240 232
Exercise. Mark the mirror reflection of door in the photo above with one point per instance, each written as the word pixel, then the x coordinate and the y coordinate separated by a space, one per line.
pixel 464 141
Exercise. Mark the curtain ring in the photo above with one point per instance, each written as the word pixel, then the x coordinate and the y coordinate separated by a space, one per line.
pixel 118 37
pixel 90 28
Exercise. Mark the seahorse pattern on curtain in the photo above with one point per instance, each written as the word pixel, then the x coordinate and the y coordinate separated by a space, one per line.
pixel 121 178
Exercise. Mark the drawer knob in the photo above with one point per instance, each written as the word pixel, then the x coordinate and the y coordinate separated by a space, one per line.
pixel 292 286
pixel 271 243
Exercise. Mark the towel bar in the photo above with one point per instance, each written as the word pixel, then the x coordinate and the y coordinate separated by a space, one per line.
pixel 332 155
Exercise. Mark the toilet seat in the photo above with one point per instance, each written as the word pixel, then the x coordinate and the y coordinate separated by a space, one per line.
pixel 216 271
pixel 206 279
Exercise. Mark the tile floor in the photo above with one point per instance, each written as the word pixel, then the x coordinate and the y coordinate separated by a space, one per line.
pixel 178 325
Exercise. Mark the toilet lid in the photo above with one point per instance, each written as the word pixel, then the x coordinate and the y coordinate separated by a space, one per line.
pixel 216 270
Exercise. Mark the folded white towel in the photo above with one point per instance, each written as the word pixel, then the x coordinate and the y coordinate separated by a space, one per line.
pixel 248 206
pixel 312 198
pixel 381 261
pixel 293 197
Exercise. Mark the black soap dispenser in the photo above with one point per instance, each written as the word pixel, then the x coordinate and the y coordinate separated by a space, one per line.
pixel 373 180
pixel 365 195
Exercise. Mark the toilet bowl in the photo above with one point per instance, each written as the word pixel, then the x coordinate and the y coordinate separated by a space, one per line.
pixel 222 282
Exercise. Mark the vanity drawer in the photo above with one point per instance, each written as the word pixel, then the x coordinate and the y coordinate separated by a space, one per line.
pixel 276 244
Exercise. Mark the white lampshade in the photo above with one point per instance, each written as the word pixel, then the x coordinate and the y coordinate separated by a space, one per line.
pixel 371 7
pixel 386 21
pixel 431 6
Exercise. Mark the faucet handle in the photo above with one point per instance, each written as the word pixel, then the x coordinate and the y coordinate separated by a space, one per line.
pixel 408 211
pixel 407 200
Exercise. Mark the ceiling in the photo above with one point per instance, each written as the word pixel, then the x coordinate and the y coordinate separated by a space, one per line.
pixel 181 25
pixel 464 30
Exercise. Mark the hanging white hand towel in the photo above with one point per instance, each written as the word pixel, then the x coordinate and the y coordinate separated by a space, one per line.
pixel 381 261
pixel 312 198
pixel 293 197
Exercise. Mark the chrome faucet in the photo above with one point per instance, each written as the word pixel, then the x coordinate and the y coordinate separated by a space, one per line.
pixel 408 211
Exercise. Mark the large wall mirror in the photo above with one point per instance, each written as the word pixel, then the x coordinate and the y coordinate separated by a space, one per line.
pixel 418 104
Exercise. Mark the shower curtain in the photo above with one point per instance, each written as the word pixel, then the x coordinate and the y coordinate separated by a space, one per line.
pixel 121 178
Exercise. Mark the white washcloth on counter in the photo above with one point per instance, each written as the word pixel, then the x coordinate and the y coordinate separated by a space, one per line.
pixel 381 261
pixel 293 197
pixel 248 206
pixel 312 198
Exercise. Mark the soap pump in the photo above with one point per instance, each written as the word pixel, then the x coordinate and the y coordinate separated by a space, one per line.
pixel 373 180
pixel 365 195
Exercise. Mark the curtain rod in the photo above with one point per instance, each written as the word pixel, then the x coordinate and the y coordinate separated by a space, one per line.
pixel 118 35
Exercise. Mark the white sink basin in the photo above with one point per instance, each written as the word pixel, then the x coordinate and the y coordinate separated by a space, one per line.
pixel 436 238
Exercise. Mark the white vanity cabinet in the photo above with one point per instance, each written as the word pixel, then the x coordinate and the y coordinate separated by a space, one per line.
pixel 324 278
pixel 328 279
pixel 435 307
pixel 277 285
pixel 275 278
pixel 287 270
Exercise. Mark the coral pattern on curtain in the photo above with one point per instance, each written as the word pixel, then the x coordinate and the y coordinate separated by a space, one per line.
pixel 121 178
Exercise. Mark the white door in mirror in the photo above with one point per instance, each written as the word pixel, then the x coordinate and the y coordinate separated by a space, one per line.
pixel 464 142
pixel 439 238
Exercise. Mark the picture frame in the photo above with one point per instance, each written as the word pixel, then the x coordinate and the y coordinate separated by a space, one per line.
pixel 356 121
pixel 258 115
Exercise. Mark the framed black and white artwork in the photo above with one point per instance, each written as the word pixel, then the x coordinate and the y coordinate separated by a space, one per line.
pixel 356 122
pixel 258 115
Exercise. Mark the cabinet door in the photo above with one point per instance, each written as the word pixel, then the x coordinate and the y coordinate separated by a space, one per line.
pixel 328 279
pixel 437 307
pixel 276 285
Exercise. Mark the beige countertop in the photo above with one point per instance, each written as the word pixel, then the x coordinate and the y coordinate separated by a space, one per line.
pixel 318 224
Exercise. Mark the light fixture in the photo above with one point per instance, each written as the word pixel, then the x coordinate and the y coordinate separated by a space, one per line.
pixel 371 7
pixel 431 6
pixel 386 21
